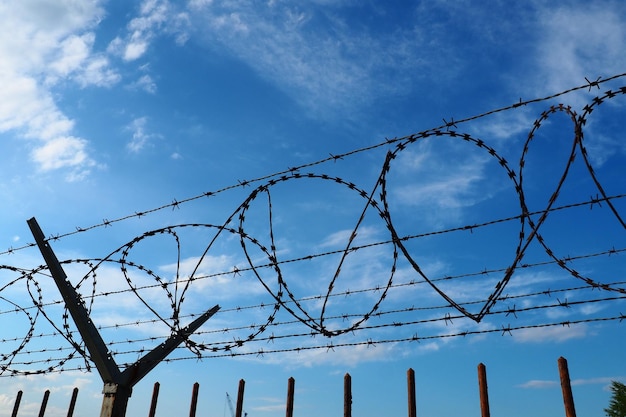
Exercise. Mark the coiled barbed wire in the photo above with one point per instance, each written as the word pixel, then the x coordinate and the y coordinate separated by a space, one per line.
pixel 283 298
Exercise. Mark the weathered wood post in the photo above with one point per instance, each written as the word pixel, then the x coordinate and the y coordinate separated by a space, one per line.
pixel 194 400
pixel 410 384
pixel 290 389
pixel 155 397
pixel 483 390
pixel 347 396
pixel 16 406
pixel 568 398
pixel 70 410
pixel 239 409
pixel 44 403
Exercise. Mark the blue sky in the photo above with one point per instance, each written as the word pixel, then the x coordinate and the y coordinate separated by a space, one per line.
pixel 121 118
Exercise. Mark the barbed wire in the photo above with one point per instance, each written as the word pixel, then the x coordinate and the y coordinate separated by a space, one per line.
pixel 507 330
pixel 244 183
pixel 554 303
pixel 264 261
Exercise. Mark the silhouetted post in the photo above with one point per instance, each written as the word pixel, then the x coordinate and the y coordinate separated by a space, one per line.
pixel 155 397
pixel 16 406
pixel 239 409
pixel 70 410
pixel 290 388
pixel 484 392
pixel 118 385
pixel 194 400
pixel 347 396
pixel 568 398
pixel 44 403
pixel 410 384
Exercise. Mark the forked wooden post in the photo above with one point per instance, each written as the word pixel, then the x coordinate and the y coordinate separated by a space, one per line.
pixel 483 390
pixel 155 397
pixel 347 396
pixel 16 406
pixel 239 409
pixel 290 389
pixel 194 400
pixel 568 398
pixel 410 385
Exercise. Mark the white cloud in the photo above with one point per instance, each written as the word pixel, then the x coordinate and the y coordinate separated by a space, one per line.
pixel 154 15
pixel 62 152
pixel 72 52
pixel 135 48
pixel 140 137
pixel 97 71
pixel 59 42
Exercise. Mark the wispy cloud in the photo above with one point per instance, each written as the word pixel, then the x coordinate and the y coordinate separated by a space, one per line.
pixel 554 334
pixel 543 384
pixel 569 48
pixel 310 52
pixel 420 179
pixel 145 83
pixel 140 136
pixel 154 17
pixel 539 384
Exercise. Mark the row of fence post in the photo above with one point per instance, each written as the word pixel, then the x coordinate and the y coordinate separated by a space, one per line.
pixel 566 388
pixel 568 399
pixel 44 403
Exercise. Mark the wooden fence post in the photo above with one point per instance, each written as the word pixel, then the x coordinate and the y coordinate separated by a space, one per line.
pixel 70 409
pixel 155 397
pixel 290 389
pixel 239 409
pixel 483 390
pixel 16 406
pixel 568 398
pixel 347 396
pixel 44 403
pixel 410 384
pixel 194 400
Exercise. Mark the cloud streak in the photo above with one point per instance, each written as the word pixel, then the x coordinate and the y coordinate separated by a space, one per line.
pixel 310 52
